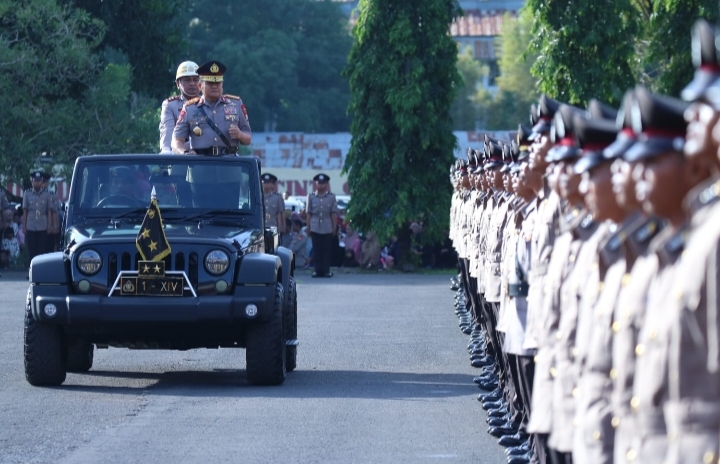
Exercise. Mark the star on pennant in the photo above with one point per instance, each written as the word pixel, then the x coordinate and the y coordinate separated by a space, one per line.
pixel 157 269
pixel 145 233
pixel 146 269
pixel 152 246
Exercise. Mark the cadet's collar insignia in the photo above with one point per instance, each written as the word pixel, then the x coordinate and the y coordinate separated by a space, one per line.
pixel 587 221
pixel 710 194
pixel 615 241
pixel 647 231
pixel 676 243
pixel 572 214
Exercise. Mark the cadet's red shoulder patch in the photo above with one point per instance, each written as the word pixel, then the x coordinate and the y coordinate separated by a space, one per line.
pixel 244 110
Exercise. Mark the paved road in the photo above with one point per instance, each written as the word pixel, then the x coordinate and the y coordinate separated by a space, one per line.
pixel 383 376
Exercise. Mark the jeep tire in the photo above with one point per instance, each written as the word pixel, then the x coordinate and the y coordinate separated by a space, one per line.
pixel 290 325
pixel 79 355
pixel 43 351
pixel 265 346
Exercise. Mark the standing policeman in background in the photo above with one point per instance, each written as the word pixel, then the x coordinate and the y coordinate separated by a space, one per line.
pixel 37 210
pixel 188 82
pixel 53 235
pixel 274 203
pixel 322 211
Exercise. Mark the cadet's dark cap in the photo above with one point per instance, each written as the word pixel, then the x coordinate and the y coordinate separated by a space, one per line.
pixel 472 159
pixel 36 175
pixel 212 71
pixel 660 124
pixel 626 137
pixel 599 110
pixel 478 156
pixel 705 60
pixel 546 109
pixel 494 155
pixel 534 118
pixel 508 158
pixel 322 177
pixel 593 136
pixel 267 177
pixel 523 136
pixel 562 135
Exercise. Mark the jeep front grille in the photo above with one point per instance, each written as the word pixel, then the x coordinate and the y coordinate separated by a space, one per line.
pixel 128 262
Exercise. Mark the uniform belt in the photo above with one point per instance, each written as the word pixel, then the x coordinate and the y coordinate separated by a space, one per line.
pixel 652 421
pixel 693 414
pixel 216 151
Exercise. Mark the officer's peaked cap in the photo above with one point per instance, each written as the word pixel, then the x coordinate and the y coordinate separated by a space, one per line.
pixel 212 71
pixel 322 177
pixel 267 177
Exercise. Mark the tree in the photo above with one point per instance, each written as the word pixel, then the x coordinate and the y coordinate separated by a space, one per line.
pixel 516 85
pixel 65 102
pixel 585 49
pixel 667 63
pixel 147 34
pixel 285 59
pixel 403 80
pixel 465 111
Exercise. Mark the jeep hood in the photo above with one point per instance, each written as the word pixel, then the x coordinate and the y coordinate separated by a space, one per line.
pixel 175 233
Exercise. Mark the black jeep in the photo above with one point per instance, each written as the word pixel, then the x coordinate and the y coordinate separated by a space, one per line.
pixel 223 282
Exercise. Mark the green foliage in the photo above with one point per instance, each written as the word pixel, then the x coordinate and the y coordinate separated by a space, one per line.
pixel 667 63
pixel 285 58
pixel 585 48
pixel 65 102
pixel 403 78
pixel 516 85
pixel 148 34
pixel 465 111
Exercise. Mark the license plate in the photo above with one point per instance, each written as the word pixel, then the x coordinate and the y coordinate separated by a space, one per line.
pixel 159 286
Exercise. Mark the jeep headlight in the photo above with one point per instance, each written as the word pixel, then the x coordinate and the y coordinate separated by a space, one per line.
pixel 89 262
pixel 217 262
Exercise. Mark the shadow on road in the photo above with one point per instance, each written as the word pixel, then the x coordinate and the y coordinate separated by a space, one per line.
pixel 299 384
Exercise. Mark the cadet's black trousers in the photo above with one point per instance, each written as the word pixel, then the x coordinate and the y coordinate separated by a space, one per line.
pixel 322 252
pixel 36 241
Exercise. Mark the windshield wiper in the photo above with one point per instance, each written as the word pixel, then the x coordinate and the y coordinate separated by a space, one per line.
pixel 128 213
pixel 213 212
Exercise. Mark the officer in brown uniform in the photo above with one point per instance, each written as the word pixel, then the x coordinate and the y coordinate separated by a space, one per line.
pixel 188 83
pixel 274 203
pixel 215 123
pixel 53 217
pixel 37 210
pixel 664 178
pixel 692 413
pixel 322 212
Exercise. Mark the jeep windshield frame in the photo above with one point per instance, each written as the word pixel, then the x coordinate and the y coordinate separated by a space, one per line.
pixel 119 187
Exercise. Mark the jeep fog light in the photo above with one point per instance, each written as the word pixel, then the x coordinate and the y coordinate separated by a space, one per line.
pixel 89 262
pixel 217 262
pixel 221 286
pixel 251 310
pixel 84 285
pixel 50 310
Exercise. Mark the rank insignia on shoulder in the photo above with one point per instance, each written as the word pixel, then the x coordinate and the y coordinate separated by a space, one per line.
pixel 192 101
pixel 173 98
pixel 234 97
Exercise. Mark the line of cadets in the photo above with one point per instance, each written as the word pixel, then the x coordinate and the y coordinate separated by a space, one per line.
pixel 589 250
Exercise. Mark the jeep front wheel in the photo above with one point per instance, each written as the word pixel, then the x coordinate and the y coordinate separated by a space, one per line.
pixel 265 346
pixel 43 351
pixel 79 355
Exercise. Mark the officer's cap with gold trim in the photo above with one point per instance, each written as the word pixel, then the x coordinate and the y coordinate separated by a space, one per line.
pixel 212 71
pixel 267 177
pixel 322 177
